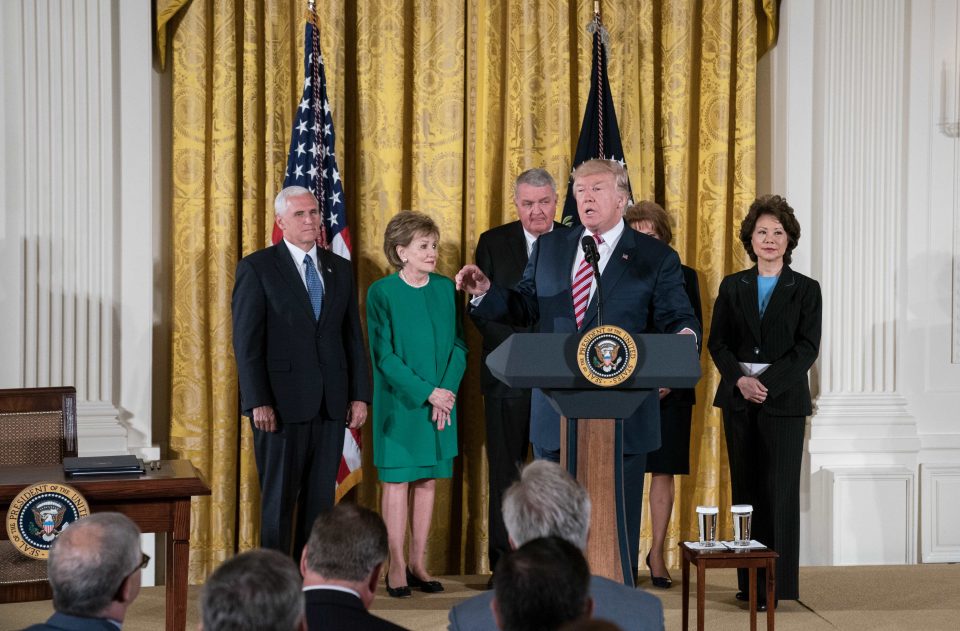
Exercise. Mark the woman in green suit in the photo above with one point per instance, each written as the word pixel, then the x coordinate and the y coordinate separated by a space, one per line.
pixel 418 360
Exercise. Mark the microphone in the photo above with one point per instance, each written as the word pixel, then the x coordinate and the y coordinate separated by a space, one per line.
pixel 592 256
pixel 591 253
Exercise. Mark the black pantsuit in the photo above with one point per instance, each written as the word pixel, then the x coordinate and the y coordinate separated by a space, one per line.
pixel 765 454
pixel 765 441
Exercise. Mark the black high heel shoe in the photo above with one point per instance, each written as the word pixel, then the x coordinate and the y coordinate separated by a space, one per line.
pixel 663 582
pixel 398 592
pixel 429 587
pixel 761 601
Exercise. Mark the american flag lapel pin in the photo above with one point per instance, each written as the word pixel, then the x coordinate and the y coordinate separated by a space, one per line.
pixel 626 257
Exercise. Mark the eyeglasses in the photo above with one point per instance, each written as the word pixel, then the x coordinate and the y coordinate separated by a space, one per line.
pixel 144 561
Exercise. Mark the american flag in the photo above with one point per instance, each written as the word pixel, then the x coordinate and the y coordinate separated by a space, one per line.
pixel 312 164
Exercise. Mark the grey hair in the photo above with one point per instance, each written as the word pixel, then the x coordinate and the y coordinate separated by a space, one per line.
pixel 346 543
pixel 545 502
pixel 535 178
pixel 89 562
pixel 257 590
pixel 280 203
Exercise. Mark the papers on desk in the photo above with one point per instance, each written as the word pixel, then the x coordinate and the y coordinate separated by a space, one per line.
pixel 716 546
pixel 724 546
pixel 753 545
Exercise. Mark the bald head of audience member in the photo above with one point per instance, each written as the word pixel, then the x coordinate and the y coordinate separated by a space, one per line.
pixel 95 565
pixel 546 502
pixel 347 548
pixel 258 590
pixel 540 586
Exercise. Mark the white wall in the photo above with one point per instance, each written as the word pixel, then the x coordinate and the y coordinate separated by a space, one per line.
pixel 78 209
pixel 850 105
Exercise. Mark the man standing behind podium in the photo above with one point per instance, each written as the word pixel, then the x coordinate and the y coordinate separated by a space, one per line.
pixel 643 293
pixel 502 254
pixel 302 368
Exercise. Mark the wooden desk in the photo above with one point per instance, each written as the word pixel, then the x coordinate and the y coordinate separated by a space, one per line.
pixel 157 501
pixel 724 557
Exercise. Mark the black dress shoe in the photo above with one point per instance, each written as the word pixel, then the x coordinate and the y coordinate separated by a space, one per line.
pixel 761 602
pixel 398 592
pixel 429 587
pixel 663 582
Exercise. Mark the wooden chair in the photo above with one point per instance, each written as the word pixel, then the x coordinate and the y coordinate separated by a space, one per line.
pixel 37 426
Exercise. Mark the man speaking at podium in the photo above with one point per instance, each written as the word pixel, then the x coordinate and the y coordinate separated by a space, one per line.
pixel 643 293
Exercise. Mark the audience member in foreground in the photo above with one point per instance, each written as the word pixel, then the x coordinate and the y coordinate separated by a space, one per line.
pixel 541 586
pixel 258 590
pixel 545 502
pixel 94 572
pixel 341 566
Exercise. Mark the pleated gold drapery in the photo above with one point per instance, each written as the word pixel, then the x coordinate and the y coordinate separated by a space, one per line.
pixel 437 106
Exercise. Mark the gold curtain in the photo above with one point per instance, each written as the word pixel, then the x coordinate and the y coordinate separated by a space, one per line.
pixel 437 106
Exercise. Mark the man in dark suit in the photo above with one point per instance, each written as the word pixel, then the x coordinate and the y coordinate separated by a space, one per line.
pixel 643 293
pixel 94 571
pixel 547 502
pixel 302 368
pixel 341 566
pixel 502 254
pixel 257 589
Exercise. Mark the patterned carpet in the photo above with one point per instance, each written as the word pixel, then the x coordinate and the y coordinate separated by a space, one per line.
pixel 918 597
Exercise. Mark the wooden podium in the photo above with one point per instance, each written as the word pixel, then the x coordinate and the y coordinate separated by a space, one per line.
pixel 592 425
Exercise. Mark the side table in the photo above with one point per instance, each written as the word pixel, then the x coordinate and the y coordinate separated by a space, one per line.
pixel 723 557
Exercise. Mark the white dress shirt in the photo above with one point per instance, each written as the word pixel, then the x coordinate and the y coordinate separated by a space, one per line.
pixel 297 253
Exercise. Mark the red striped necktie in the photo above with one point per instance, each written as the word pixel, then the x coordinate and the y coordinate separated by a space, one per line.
pixel 582 282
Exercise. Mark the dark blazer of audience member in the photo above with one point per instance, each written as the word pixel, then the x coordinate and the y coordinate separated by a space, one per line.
pixel 547 501
pixel 341 566
pixel 302 367
pixel 764 338
pixel 541 586
pixel 502 253
pixel 94 571
pixel 257 590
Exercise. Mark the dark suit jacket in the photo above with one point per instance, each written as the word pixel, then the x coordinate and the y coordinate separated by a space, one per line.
pixel 643 293
pixel 331 610
pixel 285 357
pixel 63 622
pixel 502 255
pixel 787 338
pixel 628 608
pixel 691 284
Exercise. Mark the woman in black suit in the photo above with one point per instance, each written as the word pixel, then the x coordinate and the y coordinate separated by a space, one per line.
pixel 676 407
pixel 764 338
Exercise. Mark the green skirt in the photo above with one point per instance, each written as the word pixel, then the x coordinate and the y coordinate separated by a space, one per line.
pixel 397 475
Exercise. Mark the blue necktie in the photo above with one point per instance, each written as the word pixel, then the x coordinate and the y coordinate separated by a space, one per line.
pixel 314 286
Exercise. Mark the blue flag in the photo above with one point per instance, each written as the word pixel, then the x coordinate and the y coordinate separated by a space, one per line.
pixel 599 134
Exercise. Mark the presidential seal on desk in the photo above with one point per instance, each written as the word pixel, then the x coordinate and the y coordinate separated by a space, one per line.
pixel 39 513
pixel 607 356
